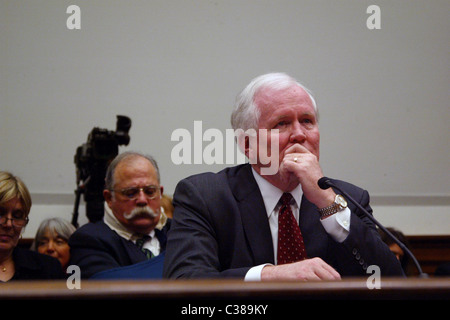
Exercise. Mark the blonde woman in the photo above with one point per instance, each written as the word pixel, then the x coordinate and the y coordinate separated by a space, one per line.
pixel 17 263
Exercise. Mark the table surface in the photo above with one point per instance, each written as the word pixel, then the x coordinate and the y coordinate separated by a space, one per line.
pixel 390 288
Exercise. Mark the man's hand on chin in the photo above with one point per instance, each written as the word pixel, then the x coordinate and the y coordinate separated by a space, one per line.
pixel 299 165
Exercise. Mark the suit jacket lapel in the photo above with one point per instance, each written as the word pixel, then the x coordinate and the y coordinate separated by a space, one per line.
pixel 253 215
pixel 162 238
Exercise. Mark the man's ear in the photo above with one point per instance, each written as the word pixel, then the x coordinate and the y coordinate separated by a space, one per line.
pixel 243 142
pixel 251 147
pixel 246 145
pixel 107 194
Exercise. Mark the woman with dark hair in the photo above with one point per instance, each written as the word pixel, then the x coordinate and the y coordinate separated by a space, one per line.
pixel 52 239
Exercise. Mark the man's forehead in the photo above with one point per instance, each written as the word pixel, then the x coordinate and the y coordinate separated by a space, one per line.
pixel 273 97
pixel 137 167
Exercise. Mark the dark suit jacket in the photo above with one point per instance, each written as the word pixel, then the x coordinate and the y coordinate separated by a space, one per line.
pixel 31 265
pixel 220 229
pixel 94 247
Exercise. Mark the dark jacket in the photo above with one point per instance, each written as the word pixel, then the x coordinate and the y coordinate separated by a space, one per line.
pixel 31 265
pixel 95 247
pixel 220 229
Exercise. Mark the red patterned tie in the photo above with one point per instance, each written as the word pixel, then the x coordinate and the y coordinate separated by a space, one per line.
pixel 290 241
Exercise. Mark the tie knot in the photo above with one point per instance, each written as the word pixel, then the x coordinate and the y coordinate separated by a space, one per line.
pixel 140 242
pixel 286 199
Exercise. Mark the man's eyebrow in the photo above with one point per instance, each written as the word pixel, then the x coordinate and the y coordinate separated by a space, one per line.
pixel 283 116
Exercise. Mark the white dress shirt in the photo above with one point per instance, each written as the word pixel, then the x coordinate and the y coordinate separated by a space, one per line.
pixel 337 225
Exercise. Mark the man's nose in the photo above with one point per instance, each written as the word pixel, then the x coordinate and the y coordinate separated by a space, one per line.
pixel 298 134
pixel 141 197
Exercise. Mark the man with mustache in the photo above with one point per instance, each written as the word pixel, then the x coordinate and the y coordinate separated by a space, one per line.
pixel 244 223
pixel 133 228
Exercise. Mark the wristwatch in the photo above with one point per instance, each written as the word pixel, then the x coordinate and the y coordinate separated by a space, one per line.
pixel 339 204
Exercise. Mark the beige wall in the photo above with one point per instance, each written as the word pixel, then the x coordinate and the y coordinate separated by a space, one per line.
pixel 383 94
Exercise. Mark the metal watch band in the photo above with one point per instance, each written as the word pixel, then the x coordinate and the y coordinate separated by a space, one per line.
pixel 330 210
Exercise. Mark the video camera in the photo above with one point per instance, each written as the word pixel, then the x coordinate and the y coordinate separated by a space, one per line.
pixel 91 160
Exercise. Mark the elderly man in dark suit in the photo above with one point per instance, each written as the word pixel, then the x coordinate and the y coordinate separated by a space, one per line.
pixel 133 229
pixel 253 224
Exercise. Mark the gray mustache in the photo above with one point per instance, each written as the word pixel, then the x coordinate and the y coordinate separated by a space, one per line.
pixel 144 211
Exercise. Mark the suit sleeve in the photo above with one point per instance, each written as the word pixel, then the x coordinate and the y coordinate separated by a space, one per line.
pixel 363 246
pixel 192 248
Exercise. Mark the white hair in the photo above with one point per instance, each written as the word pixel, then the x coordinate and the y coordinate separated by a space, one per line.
pixel 246 113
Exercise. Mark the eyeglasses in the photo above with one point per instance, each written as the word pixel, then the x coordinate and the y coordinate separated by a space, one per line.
pixel 132 193
pixel 16 222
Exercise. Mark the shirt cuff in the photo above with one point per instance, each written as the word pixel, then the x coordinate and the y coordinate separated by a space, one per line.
pixel 254 274
pixel 338 225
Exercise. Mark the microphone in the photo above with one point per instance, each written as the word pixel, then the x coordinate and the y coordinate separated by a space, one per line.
pixel 325 183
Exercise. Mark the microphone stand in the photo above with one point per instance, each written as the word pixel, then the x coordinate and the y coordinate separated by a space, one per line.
pixel 325 183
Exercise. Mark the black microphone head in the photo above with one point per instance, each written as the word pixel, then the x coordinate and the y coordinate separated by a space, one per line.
pixel 323 183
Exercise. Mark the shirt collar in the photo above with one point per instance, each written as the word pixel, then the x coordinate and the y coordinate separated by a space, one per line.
pixel 271 195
